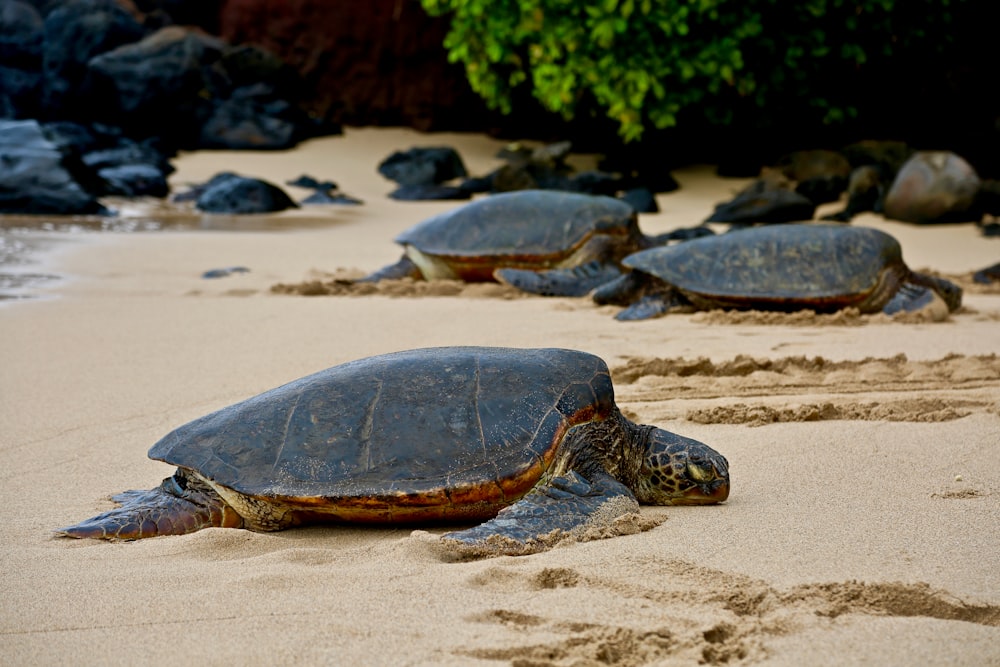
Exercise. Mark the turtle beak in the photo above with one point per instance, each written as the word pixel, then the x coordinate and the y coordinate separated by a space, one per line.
pixel 709 482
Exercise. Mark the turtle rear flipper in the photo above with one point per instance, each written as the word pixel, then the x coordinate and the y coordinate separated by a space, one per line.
pixel 177 506
pixel 576 281
pixel 404 268
pixel 568 507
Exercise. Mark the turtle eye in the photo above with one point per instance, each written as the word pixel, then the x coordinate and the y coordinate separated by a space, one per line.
pixel 700 473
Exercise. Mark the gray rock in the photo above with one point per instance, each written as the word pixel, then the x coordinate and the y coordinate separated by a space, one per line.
pixel 33 177
pixel 231 193
pixel 932 187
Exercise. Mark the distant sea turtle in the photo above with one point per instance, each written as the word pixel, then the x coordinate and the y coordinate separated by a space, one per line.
pixel 794 267
pixel 788 267
pixel 529 229
pixel 438 434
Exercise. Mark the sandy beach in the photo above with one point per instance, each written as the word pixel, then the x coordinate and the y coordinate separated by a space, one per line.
pixel 863 526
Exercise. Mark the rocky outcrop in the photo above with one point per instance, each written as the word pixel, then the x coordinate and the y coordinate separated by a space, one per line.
pixel 35 175
pixel 102 61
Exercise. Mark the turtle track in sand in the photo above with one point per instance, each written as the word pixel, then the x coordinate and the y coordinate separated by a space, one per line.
pixel 692 614
pixel 341 283
pixel 752 391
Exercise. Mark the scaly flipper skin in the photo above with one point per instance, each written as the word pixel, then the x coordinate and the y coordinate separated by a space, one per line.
pixel 643 297
pixel 404 268
pixel 179 505
pixel 910 298
pixel 577 281
pixel 947 290
pixel 567 506
pixel 648 307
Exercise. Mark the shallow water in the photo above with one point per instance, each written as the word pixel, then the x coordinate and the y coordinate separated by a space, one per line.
pixel 26 240
pixel 19 263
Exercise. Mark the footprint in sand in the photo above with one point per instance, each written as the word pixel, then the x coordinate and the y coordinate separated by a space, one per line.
pixel 703 617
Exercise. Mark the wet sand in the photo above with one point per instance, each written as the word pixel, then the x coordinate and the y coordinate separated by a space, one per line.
pixel 863 525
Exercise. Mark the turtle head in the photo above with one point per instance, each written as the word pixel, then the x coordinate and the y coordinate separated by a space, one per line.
pixel 681 471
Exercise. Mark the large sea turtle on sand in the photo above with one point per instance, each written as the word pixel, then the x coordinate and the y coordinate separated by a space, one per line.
pixel 528 229
pixel 824 268
pixel 452 434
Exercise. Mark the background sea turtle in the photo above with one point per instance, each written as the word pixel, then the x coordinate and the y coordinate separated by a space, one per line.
pixel 530 229
pixel 824 268
pixel 437 434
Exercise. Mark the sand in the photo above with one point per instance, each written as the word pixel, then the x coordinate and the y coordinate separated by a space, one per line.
pixel 863 526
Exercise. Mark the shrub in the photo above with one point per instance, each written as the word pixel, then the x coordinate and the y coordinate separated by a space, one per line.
pixel 660 63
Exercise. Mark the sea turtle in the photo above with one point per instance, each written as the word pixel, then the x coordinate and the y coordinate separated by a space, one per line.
pixel 529 229
pixel 823 268
pixel 435 434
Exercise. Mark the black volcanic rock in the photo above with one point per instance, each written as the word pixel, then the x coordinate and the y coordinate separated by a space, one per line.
pixel 33 176
pixel 423 166
pixel 74 33
pixel 232 193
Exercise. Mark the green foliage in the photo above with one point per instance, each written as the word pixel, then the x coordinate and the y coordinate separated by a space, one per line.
pixel 652 63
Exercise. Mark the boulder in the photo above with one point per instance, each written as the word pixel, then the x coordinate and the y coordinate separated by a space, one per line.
pixel 250 119
pixel 134 180
pixel 932 187
pixel 33 176
pixel 821 175
pixel 769 199
pixel 431 192
pixel 865 192
pixel 20 59
pixel 163 85
pixel 642 199
pixel 19 92
pixel 73 34
pixel 595 182
pixel 126 152
pixel 889 155
pixel 20 35
pixel 423 166
pixel 232 193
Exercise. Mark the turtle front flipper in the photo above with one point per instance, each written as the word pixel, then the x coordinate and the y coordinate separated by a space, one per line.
pixel 947 290
pixel 576 281
pixel 566 507
pixel 179 505
pixel 909 298
pixel 930 294
pixel 643 296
